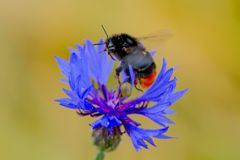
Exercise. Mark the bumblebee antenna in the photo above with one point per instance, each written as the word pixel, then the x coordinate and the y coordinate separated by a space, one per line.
pixel 104 30
pixel 98 44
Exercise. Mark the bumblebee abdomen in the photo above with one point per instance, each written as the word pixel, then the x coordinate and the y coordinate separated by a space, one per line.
pixel 146 76
pixel 147 81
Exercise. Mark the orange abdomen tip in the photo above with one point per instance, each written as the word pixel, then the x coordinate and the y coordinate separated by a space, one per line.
pixel 146 82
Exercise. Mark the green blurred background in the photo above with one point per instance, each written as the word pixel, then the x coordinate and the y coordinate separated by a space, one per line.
pixel 204 45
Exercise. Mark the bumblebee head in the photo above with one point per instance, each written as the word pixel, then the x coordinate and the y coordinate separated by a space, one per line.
pixel 118 45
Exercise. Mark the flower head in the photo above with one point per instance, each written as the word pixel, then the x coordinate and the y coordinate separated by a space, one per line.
pixel 87 72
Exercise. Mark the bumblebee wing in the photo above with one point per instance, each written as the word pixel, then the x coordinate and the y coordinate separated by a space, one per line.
pixel 161 35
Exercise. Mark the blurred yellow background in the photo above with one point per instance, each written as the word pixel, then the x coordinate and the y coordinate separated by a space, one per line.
pixel 204 46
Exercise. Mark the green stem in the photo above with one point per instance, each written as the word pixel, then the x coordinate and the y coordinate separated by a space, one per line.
pixel 100 155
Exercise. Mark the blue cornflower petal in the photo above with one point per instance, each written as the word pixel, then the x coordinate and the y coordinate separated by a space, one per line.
pixel 126 77
pixel 152 53
pixel 139 135
pixel 76 103
pixel 66 102
pixel 101 65
pixel 132 75
pixel 168 111
pixel 158 91
pixel 85 106
pixel 70 93
pixel 63 65
pixel 157 118
pixel 155 113
pixel 156 109
pixel 175 96
pixel 163 69
pixel 106 121
pixel 106 63
pixel 94 67
pixel 160 85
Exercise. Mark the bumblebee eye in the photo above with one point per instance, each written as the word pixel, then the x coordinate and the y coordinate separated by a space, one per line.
pixel 129 41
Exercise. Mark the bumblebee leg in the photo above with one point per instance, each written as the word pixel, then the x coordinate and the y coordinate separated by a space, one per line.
pixel 118 70
pixel 138 80
pixel 112 57
pixel 138 88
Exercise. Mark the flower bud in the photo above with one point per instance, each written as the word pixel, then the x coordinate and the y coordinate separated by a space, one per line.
pixel 105 140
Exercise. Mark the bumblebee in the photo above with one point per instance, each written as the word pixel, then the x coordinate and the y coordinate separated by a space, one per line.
pixel 129 51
